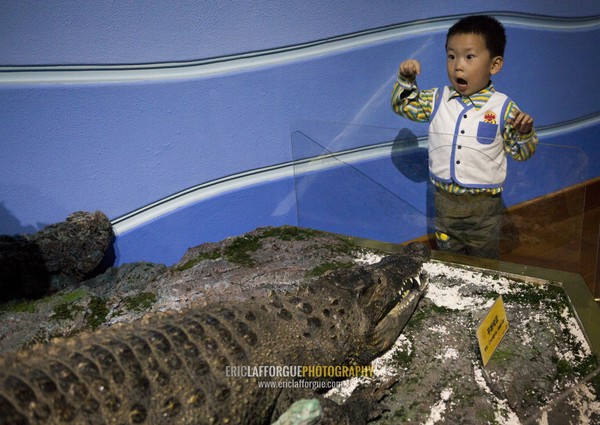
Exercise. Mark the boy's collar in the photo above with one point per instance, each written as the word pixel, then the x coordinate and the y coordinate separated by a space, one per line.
pixel 486 90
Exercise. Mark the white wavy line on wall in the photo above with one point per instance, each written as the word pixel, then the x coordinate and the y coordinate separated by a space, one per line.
pixel 290 169
pixel 61 74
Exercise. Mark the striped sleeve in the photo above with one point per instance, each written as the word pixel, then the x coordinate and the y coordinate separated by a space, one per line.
pixel 519 146
pixel 409 102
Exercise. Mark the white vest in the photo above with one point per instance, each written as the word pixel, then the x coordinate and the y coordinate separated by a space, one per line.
pixel 465 145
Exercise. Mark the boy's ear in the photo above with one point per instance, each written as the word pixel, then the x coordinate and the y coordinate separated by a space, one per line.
pixel 497 63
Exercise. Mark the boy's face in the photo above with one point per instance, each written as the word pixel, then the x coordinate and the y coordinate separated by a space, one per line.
pixel 469 63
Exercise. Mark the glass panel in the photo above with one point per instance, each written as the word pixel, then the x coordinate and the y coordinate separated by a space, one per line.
pixel 545 204
pixel 372 182
pixel 360 181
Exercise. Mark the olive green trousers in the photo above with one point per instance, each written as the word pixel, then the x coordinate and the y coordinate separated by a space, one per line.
pixel 468 224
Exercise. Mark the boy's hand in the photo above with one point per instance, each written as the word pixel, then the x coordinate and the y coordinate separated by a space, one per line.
pixel 522 122
pixel 410 69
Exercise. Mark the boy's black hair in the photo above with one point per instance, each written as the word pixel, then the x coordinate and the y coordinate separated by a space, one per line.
pixel 492 31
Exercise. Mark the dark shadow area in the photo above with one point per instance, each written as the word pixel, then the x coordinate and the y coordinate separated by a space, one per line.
pixel 58 256
pixel 413 162
pixel 110 256
pixel 23 271
pixel 409 158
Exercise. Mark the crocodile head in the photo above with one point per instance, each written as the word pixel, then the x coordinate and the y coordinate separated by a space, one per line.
pixel 387 294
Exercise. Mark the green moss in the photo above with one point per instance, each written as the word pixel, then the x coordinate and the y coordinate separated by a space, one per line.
pixel 579 369
pixel 401 414
pixel 289 233
pixel 325 267
pixel 97 312
pixel 587 365
pixel 141 302
pixel 504 355
pixel 536 294
pixel 29 306
pixel 486 416
pixel 466 398
pixel 402 359
pixel 348 247
pixel 212 255
pixel 440 309
pixel 563 368
pixel 18 307
pixel 534 397
pixel 424 312
pixel 239 250
pixel 65 311
pixel 74 296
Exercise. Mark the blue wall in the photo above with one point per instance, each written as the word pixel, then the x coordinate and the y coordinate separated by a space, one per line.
pixel 175 118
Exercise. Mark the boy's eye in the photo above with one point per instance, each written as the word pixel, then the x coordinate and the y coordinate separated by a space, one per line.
pixel 470 56
pixel 451 57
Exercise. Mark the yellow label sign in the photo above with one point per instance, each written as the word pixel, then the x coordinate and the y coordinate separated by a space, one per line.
pixel 491 330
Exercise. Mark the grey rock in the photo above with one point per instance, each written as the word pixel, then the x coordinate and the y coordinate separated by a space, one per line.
pixel 59 255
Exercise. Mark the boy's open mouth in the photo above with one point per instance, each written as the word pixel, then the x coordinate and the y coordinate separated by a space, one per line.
pixel 462 83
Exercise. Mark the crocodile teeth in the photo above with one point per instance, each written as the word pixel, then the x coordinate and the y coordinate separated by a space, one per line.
pixel 416 281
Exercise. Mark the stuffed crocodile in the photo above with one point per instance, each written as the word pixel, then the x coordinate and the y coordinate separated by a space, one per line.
pixel 193 366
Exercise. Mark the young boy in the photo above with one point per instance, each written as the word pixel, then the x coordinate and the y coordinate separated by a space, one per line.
pixel 471 129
